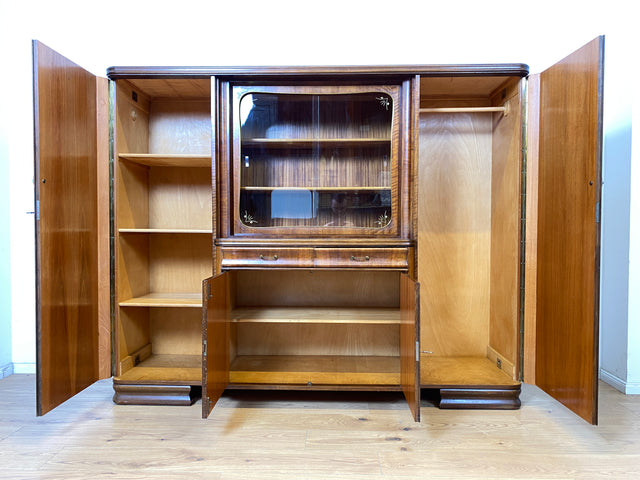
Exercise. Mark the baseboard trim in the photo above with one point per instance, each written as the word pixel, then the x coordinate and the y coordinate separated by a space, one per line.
pixel 628 388
pixel 6 370
pixel 29 368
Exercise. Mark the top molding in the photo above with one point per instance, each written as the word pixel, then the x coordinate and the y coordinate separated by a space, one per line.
pixel 507 70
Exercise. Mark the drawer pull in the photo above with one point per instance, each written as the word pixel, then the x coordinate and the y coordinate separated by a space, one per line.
pixel 262 257
pixel 360 259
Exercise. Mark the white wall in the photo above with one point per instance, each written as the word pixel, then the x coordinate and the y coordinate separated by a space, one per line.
pixel 116 32
pixel 6 364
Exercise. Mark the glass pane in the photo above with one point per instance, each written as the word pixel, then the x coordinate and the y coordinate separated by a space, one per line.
pixel 315 160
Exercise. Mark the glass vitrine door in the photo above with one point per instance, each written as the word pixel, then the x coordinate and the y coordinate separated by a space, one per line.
pixel 323 159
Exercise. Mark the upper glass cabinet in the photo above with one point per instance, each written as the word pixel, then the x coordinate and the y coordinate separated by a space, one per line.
pixel 319 158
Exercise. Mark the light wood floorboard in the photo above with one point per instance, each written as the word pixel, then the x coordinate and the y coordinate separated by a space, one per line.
pixel 312 436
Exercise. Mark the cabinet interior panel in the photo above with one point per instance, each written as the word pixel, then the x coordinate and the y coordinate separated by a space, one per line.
pixel 374 316
pixel 164 197
pixel 132 119
pixel 505 231
pixel 179 262
pixel 454 232
pixel 180 198
pixel 133 333
pixel 133 267
pixel 176 331
pixel 173 369
pixel 369 289
pixel 437 371
pixel 317 339
pixel 180 126
pixel 132 195
pixel 159 263
pixel 309 370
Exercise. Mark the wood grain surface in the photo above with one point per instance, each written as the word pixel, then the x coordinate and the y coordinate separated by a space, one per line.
pixel 568 255
pixel 67 235
pixel 287 435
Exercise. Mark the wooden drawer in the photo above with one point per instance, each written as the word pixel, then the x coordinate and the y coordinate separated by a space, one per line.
pixel 255 257
pixel 395 258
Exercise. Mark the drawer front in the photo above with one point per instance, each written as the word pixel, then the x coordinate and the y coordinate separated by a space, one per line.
pixel 250 257
pixel 395 258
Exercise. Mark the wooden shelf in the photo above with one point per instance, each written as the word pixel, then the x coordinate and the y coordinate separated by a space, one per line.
pixel 180 300
pixel 165 230
pixel 319 369
pixel 167 160
pixel 319 189
pixel 466 371
pixel 317 315
pixel 309 142
pixel 174 369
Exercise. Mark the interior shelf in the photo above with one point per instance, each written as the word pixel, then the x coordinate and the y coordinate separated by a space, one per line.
pixel 165 300
pixel 165 230
pixel 176 369
pixel 460 370
pixel 167 160
pixel 317 315
pixel 315 369
pixel 308 142
pixel 319 189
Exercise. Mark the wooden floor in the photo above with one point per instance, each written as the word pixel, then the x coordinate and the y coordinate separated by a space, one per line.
pixel 282 436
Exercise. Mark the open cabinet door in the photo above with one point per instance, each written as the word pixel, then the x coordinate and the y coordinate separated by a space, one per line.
pixel 568 234
pixel 73 339
pixel 215 329
pixel 409 335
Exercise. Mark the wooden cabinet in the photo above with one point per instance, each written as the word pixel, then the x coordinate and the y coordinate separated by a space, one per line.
pixel 356 228
pixel 162 237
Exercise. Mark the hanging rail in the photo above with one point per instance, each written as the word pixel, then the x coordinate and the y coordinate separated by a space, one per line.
pixel 504 109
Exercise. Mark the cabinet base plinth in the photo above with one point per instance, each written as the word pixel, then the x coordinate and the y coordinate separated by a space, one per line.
pixel 507 398
pixel 155 394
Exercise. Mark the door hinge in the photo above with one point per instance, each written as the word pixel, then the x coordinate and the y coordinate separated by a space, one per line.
pixel 597 212
pixel 204 348
pixel 417 351
pixel 37 210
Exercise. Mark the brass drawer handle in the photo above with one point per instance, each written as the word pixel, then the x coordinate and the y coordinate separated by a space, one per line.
pixel 262 257
pixel 360 259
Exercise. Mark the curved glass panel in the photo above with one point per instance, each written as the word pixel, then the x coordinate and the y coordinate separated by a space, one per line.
pixel 312 160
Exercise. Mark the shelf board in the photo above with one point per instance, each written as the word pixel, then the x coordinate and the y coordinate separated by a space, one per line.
pixel 167 160
pixel 180 300
pixel 460 370
pixel 315 369
pixel 308 142
pixel 174 369
pixel 319 189
pixel 165 230
pixel 316 315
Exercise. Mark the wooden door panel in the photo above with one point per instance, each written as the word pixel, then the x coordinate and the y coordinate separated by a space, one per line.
pixel 215 325
pixel 67 237
pixel 409 335
pixel 568 232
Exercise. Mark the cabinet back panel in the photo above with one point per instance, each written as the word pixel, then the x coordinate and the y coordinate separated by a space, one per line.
pixel 180 198
pixel 311 339
pixel 179 262
pixel 454 232
pixel 176 331
pixel 180 126
pixel 317 288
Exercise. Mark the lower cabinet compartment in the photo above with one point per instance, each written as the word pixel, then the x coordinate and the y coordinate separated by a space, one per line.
pixel 311 328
